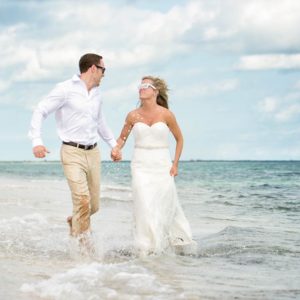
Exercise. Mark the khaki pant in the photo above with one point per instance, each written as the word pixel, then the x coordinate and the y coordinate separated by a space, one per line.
pixel 82 170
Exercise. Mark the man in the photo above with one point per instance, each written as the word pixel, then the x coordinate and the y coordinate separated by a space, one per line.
pixel 78 110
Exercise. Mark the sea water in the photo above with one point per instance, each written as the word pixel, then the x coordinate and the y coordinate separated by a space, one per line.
pixel 245 218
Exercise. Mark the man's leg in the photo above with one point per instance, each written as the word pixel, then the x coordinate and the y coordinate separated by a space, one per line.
pixel 75 169
pixel 93 177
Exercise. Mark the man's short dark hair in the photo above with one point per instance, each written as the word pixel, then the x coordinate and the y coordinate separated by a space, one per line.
pixel 87 60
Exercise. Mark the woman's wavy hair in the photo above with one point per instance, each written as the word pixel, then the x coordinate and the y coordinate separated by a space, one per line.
pixel 162 87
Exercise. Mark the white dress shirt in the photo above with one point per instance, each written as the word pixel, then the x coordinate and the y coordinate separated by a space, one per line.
pixel 78 114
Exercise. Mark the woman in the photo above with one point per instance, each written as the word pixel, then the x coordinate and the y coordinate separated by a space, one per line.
pixel 159 219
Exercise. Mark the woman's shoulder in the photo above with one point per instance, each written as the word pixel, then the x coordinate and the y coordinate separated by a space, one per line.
pixel 134 111
pixel 169 117
pixel 167 113
pixel 132 115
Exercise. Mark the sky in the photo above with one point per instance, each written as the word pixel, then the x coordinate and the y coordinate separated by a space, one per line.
pixel 232 66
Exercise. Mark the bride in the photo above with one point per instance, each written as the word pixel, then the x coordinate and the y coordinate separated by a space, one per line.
pixel 159 220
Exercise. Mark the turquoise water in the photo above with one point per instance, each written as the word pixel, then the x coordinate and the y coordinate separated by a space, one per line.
pixel 245 217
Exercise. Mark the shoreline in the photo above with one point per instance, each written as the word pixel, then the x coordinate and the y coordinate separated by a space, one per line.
pixel 182 160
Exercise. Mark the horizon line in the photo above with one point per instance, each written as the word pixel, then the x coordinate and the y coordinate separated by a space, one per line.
pixel 183 160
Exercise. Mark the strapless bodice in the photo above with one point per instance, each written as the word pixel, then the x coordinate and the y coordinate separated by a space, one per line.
pixel 151 137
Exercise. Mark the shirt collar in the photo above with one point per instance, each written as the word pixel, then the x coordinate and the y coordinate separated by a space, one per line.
pixel 76 78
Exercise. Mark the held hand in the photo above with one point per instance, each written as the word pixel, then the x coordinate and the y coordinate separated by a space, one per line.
pixel 174 171
pixel 116 154
pixel 40 151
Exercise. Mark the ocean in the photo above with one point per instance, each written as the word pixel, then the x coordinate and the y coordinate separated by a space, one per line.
pixel 245 218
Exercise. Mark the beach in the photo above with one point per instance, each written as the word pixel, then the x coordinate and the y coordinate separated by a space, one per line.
pixel 244 217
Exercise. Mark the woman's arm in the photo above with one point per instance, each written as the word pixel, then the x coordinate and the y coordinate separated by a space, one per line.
pixel 125 131
pixel 176 131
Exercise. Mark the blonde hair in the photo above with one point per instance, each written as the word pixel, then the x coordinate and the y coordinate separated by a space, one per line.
pixel 162 87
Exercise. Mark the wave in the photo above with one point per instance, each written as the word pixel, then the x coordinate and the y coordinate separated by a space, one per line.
pixel 32 235
pixel 102 281
pixel 266 186
pixel 294 208
pixel 287 174
pixel 116 199
pixel 234 241
pixel 226 203
pixel 107 187
pixel 118 193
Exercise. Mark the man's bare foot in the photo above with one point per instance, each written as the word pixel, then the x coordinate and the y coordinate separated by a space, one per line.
pixel 86 244
pixel 69 220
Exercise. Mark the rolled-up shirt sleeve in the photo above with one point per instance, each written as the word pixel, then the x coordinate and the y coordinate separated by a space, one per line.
pixel 48 105
pixel 104 131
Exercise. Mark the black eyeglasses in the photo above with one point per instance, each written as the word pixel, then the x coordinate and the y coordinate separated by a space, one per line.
pixel 99 67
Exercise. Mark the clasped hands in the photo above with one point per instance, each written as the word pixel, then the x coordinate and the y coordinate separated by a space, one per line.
pixel 116 154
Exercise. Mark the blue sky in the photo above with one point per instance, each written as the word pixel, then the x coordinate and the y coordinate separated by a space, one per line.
pixel 232 67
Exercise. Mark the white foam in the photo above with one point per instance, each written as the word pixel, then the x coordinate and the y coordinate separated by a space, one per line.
pixel 116 192
pixel 31 220
pixel 109 187
pixel 100 281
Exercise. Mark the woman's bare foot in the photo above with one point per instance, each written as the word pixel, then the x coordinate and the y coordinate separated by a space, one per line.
pixel 69 220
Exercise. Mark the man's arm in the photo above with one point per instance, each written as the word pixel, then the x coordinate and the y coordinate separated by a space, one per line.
pixel 107 135
pixel 51 103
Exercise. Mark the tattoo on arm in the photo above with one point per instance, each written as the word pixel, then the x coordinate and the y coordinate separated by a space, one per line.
pixel 125 133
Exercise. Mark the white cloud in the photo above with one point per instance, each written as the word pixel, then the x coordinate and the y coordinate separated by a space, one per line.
pixel 122 94
pixel 257 26
pixel 226 85
pixel 127 36
pixel 297 85
pixel 268 105
pixel 8 42
pixel 32 71
pixel 269 61
pixel 288 113
pixel 4 85
pixel 281 109
pixel 201 89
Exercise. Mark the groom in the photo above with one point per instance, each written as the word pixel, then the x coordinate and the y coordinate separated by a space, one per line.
pixel 80 121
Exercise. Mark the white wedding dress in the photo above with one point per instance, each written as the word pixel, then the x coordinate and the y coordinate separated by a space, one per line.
pixel 159 220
